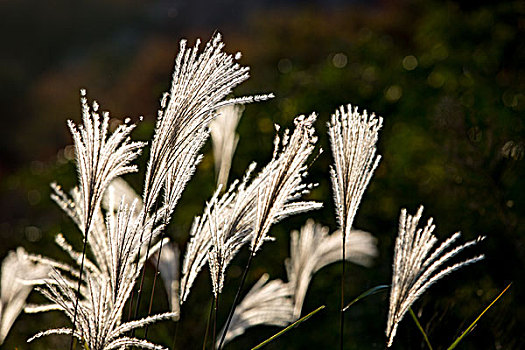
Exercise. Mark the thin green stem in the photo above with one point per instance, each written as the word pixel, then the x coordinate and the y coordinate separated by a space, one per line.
pixel 414 317
pixel 369 292
pixel 341 310
pixel 175 335
pixel 469 329
pixel 87 226
pixel 295 324
pixel 208 325
pixel 215 322
pixel 157 273
pixel 236 300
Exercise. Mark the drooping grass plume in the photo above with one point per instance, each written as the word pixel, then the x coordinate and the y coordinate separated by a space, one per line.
pixel 169 268
pixel 353 138
pixel 224 140
pixel 17 273
pixel 265 304
pixel 313 248
pixel 417 265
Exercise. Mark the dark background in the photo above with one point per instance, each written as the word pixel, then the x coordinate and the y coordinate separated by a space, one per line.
pixel 447 77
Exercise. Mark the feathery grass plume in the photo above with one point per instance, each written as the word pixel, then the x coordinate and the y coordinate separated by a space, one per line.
pixel 97 241
pixel 98 320
pixel 235 205
pixel 17 272
pixel 416 267
pixel 100 158
pixel 224 140
pixel 283 179
pixel 313 248
pixel 265 304
pixel 119 188
pixel 353 137
pixel 98 317
pixel 201 81
pixel 246 212
pixel 169 268
pixel 279 184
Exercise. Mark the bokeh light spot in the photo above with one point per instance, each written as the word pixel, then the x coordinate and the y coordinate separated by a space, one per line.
pixel 410 62
pixel 340 60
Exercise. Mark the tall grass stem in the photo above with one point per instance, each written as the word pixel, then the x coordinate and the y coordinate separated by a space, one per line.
pixel 236 300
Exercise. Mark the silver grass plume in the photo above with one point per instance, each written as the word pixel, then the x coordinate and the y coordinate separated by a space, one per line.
pixel 313 248
pixel 283 177
pixel 246 212
pixel 417 265
pixel 224 140
pixel 109 279
pixel 227 213
pixel 17 273
pixel 200 83
pixel 97 318
pixel 100 158
pixel 97 240
pixel 265 304
pixel 169 268
pixel 353 137
pixel 119 188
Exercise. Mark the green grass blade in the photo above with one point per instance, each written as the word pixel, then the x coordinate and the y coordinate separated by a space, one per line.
pixel 369 292
pixel 295 324
pixel 414 317
pixel 469 329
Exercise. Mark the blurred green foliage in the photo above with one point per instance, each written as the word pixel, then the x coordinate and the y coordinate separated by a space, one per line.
pixel 448 78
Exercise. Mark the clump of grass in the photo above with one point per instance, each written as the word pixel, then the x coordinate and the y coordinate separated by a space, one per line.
pixel 122 230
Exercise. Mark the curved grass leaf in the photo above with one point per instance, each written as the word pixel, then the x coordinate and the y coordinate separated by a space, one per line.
pixel 369 292
pixel 469 329
pixel 414 317
pixel 295 324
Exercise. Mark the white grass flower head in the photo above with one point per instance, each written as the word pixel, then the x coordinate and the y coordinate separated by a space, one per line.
pixel 265 304
pixel 119 190
pixel 97 317
pixel 100 158
pixel 417 265
pixel 246 212
pixel 201 81
pixel 281 181
pixel 313 248
pixel 224 140
pixel 224 227
pixel 18 273
pixel 353 137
